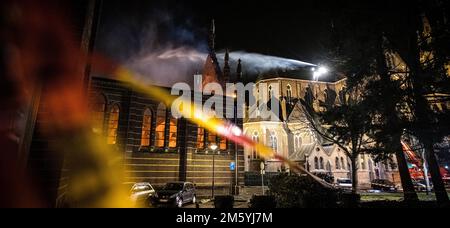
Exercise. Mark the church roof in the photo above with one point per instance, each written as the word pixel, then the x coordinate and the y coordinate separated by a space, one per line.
pixel 211 73
pixel 304 73
pixel 329 148
pixel 305 150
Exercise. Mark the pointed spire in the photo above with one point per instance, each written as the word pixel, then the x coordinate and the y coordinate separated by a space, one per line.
pixel 226 68
pixel 239 71
pixel 211 70
pixel 212 36
pixel 227 56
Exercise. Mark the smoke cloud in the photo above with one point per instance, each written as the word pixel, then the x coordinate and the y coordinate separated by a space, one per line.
pixel 167 51
pixel 255 64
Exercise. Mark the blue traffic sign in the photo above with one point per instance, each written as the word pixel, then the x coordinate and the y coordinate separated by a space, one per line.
pixel 232 166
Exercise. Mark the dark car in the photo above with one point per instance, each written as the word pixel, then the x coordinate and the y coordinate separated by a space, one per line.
pixel 177 194
pixel 383 185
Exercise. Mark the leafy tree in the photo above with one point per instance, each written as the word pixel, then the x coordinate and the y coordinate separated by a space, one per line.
pixel 348 125
pixel 358 51
pixel 427 76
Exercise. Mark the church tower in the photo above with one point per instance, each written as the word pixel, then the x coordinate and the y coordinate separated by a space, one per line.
pixel 226 69
pixel 211 69
pixel 239 71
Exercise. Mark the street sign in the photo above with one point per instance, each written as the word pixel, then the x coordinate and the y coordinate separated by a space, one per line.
pixel 232 166
pixel 262 166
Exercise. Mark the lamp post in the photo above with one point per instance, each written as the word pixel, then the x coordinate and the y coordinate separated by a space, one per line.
pixel 236 168
pixel 213 147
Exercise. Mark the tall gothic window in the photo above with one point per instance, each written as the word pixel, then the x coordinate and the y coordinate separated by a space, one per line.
pixel 212 138
pixel 342 163
pixel 316 163
pixel 173 128
pixel 255 138
pixel 289 93
pixel 363 162
pixel 297 142
pixel 270 91
pixel 160 125
pixel 146 127
pixel 321 162
pixel 98 113
pixel 328 167
pixel 337 164
pixel 274 142
pixel 200 138
pixel 113 125
pixel 223 143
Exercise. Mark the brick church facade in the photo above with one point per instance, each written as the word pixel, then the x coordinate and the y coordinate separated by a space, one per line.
pixel 157 147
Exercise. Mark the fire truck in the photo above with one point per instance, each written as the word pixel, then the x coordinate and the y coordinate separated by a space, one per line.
pixel 415 165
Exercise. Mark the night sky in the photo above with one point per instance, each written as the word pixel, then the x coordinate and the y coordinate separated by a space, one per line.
pixel 131 30
pixel 292 29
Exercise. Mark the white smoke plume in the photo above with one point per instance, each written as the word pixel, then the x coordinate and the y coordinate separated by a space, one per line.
pixel 166 51
pixel 255 64
pixel 167 67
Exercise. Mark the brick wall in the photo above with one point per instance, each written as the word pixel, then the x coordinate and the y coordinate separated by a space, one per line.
pixel 181 163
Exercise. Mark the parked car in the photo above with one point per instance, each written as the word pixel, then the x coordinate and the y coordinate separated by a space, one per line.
pixel 177 194
pixel 344 183
pixel 141 194
pixel 383 185
pixel 327 177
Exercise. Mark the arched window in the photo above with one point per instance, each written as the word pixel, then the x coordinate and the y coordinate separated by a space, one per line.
pixel 316 163
pixel 223 143
pixel 386 166
pixel 173 132
pixel 274 142
pixel 371 175
pixel 270 91
pixel 212 138
pixel 146 127
pixel 328 166
pixel 321 162
pixel 337 164
pixel 98 113
pixel 297 142
pixel 160 125
pixel 363 162
pixel 342 163
pixel 289 93
pixel 255 138
pixel 200 138
pixel 113 125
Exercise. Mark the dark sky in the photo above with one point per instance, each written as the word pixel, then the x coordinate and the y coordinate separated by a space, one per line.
pixel 292 29
pixel 138 33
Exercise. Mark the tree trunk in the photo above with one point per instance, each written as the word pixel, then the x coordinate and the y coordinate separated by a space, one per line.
pixel 354 175
pixel 393 120
pixel 409 192
pixel 438 184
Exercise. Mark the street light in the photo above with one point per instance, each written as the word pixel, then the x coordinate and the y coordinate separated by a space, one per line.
pixel 213 147
pixel 236 131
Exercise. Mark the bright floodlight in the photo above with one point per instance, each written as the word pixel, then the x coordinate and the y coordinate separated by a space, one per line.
pixel 319 72
pixel 213 147
pixel 322 70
